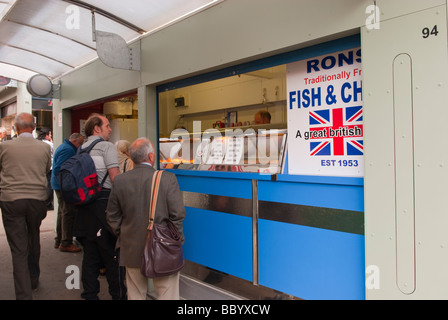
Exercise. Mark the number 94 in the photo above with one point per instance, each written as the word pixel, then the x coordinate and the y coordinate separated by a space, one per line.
pixel 426 32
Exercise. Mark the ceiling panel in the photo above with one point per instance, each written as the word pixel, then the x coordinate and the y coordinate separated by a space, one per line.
pixel 59 17
pixel 31 62
pixel 150 14
pixel 20 74
pixel 55 36
pixel 43 43
pixel 5 5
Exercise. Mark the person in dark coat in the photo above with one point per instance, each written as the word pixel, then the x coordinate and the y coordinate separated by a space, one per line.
pixel 66 212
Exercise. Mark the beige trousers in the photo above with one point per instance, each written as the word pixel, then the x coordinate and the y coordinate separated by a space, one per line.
pixel 166 288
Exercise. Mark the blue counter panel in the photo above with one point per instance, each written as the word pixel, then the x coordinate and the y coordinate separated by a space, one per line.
pixel 335 196
pixel 220 241
pixel 296 255
pixel 311 263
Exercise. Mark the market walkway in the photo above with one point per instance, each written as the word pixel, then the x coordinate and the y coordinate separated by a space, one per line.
pixel 56 267
pixel 53 265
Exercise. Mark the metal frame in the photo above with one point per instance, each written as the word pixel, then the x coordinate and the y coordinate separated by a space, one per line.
pixel 255 232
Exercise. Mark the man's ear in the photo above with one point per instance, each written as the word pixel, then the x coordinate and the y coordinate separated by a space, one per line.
pixel 151 157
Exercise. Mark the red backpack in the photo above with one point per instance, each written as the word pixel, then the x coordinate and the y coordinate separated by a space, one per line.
pixel 78 179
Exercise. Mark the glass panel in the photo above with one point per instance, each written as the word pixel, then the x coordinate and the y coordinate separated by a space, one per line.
pixel 67 20
pixel 31 61
pixel 15 73
pixel 44 43
pixel 216 125
pixel 57 35
pixel 150 14
pixel 227 150
pixel 4 7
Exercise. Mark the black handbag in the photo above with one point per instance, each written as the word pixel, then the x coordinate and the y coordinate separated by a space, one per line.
pixel 162 255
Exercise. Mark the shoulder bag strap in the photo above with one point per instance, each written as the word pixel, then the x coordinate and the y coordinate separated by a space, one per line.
pixel 154 193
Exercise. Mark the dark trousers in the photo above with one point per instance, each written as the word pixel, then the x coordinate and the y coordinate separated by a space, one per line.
pixel 96 256
pixel 99 251
pixel 22 220
pixel 50 196
pixel 64 222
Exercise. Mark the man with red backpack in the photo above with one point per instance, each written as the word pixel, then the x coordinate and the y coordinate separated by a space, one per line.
pixel 91 228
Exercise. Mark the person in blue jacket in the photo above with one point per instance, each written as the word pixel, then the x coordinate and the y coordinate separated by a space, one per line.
pixel 66 212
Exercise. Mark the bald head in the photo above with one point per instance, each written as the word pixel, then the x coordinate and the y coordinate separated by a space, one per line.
pixel 142 150
pixel 24 122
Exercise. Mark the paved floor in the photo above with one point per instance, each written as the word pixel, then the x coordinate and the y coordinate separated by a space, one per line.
pixel 53 265
pixel 57 267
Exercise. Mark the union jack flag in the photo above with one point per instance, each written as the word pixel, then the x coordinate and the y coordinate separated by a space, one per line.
pixel 340 132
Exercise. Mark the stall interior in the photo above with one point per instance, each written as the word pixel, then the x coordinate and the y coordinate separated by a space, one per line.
pixel 122 112
pixel 217 125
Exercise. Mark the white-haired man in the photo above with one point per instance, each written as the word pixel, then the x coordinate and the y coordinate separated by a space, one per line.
pixel 128 216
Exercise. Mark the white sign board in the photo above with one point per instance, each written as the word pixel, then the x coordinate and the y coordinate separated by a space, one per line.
pixel 325 115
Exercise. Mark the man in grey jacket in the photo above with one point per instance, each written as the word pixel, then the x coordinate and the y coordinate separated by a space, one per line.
pixel 128 216
pixel 24 164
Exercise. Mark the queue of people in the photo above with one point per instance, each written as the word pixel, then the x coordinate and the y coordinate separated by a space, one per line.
pixel 111 230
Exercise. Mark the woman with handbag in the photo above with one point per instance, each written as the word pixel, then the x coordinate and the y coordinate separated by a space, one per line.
pixel 133 195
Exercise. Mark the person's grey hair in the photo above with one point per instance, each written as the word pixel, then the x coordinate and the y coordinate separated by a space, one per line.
pixel 75 136
pixel 122 146
pixel 140 149
pixel 24 120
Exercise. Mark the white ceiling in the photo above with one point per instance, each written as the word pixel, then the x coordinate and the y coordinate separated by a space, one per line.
pixel 53 37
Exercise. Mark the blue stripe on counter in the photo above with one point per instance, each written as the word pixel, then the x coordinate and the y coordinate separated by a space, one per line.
pixel 311 263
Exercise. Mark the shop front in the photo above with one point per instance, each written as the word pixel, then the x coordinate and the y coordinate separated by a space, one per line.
pixel 334 197
pixel 274 208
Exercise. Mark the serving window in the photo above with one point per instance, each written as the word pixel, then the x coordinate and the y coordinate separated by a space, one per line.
pixel 236 123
